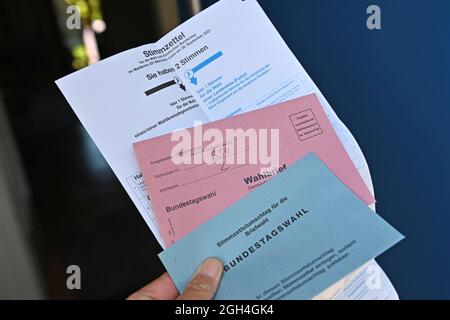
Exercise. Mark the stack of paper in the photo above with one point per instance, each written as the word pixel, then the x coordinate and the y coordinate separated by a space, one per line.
pixel 302 127
pixel 226 61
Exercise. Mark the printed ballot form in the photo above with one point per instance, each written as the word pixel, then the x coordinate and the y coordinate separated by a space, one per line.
pixel 204 70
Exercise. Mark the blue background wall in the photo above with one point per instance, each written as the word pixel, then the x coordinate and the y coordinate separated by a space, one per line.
pixel 392 89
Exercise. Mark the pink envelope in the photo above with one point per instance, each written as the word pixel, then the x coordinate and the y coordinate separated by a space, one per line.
pixel 185 195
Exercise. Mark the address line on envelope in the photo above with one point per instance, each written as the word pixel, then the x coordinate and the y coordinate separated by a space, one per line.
pixel 213 175
pixel 230 168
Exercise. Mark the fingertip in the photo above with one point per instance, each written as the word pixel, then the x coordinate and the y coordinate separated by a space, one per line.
pixel 205 281
pixel 211 267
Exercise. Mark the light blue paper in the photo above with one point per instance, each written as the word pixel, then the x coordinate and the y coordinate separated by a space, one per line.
pixel 300 259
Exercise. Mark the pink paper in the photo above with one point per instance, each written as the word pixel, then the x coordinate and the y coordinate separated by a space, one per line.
pixel 183 196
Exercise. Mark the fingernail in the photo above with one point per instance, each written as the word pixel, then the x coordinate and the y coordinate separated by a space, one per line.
pixel 211 267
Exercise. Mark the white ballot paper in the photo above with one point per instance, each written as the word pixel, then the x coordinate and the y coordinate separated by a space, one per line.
pixel 226 60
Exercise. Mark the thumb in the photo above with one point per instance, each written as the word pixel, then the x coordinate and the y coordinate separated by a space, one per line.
pixel 205 281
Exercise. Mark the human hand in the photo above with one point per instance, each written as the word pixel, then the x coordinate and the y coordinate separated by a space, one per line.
pixel 203 285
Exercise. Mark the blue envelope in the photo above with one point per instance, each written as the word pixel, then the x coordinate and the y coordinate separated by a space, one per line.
pixel 291 238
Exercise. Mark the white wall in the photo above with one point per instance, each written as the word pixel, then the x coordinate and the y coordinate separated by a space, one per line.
pixel 18 274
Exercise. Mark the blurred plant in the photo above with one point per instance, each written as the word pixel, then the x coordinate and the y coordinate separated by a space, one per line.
pixel 91 13
pixel 83 45
pixel 80 57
